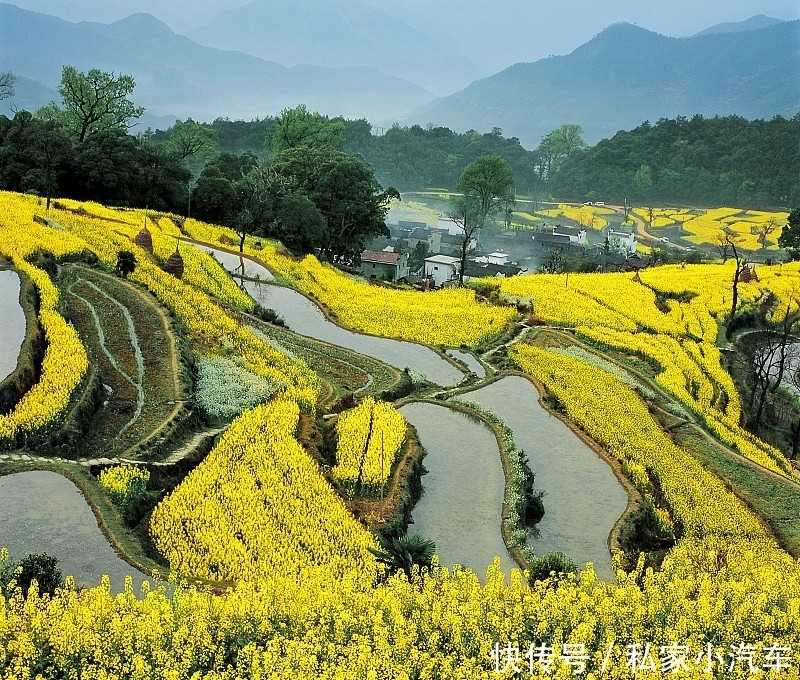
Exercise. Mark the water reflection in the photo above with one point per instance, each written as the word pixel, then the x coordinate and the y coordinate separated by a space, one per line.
pixel 469 359
pixel 304 317
pixel 12 330
pixel 461 507
pixel 583 497
pixel 238 264
pixel 45 512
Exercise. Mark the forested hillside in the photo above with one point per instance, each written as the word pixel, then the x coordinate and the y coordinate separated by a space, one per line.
pixel 699 161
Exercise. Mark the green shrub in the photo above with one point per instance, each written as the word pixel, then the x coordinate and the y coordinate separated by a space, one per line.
pixel 552 565
pixel 127 487
pixel 38 567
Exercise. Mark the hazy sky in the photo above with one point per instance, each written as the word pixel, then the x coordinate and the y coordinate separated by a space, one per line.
pixel 494 33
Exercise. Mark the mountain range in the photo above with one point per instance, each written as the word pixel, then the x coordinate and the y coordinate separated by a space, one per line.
pixel 177 77
pixel 385 71
pixel 626 75
pixel 341 33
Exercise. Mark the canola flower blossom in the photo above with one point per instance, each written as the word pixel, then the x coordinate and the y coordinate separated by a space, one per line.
pixel 303 598
pixel 65 360
pixel 369 440
pixel 670 316
pixel 448 317
pixel 122 482
pixel 258 504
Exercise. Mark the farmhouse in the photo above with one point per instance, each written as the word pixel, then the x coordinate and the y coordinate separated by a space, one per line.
pixel 478 270
pixel 576 235
pixel 441 269
pixel 622 241
pixel 384 265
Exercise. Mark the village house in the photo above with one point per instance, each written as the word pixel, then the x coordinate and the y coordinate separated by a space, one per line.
pixel 622 241
pixel 476 269
pixel 576 234
pixel 384 265
pixel 441 269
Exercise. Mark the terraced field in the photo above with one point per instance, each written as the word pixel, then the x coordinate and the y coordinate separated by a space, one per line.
pixel 129 337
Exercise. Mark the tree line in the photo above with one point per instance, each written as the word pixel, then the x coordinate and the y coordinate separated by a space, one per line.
pixel 81 149
pixel 689 161
pixel 698 161
pixel 308 194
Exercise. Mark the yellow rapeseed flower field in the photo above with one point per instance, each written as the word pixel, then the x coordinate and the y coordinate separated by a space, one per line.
pixel 300 595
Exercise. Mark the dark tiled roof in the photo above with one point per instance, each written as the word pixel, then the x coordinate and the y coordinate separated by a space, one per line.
pixel 381 256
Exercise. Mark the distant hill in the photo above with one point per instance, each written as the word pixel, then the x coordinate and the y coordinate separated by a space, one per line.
pixel 626 75
pixel 753 23
pixel 339 33
pixel 179 78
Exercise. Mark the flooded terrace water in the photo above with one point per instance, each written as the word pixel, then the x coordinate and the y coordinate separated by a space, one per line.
pixel 303 316
pixel 12 328
pixel 44 512
pixel 461 506
pixel 583 498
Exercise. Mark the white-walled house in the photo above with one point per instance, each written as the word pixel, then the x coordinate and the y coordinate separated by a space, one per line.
pixel 576 235
pixel 622 241
pixel 441 268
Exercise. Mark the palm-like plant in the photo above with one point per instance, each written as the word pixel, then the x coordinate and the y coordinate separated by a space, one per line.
pixel 401 553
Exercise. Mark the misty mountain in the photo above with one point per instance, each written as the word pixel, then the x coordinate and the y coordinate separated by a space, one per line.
pixel 751 24
pixel 177 77
pixel 626 75
pixel 339 33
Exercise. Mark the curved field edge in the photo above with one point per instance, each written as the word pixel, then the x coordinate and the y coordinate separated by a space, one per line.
pixel 31 351
pixel 165 383
pixel 715 586
pixel 371 309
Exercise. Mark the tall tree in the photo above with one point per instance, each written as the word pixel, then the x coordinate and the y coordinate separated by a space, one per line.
pixel 488 184
pixel 740 263
pixel 297 224
pixel 300 127
pixel 643 182
pixel 344 190
pixel 7 82
pixel 51 150
pixel 790 236
pixel 464 211
pixel 34 154
pixel 188 139
pixel 95 101
pixel 558 145
pixel 233 191
pixel 257 197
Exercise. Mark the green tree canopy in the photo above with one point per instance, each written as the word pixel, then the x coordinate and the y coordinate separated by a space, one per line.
pixel 35 155
pixel 558 145
pixel 237 192
pixel 300 127
pixel 643 181
pixel 94 101
pixel 344 190
pixel 488 182
pixel 7 82
pixel 790 236
pixel 189 140
pixel 297 224
pixel 39 567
